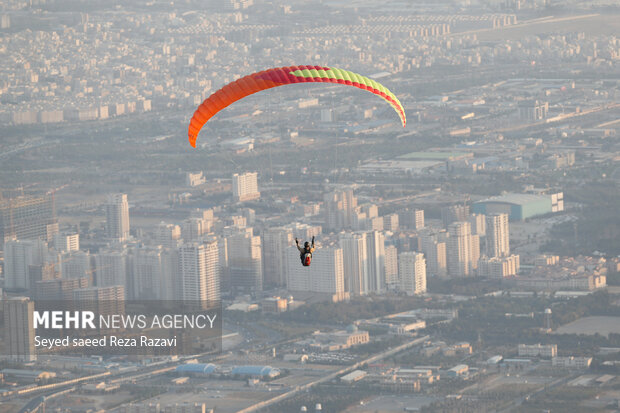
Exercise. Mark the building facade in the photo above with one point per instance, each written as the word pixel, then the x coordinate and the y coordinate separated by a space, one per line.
pixel 355 253
pixel 497 236
pixel 339 209
pixel 19 330
pixel 391 267
pixel 412 272
pixel 325 275
pixel 433 245
pixel 117 217
pixel 245 187
pixel 463 250
pixel 199 273
pixel 538 350
pixel 276 242
pixel 245 261
pixel 18 257
pixel 27 217
pixel 375 248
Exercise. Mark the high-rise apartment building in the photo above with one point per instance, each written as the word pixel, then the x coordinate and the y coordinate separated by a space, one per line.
pixel 112 268
pixel 498 242
pixel 199 273
pixel 355 254
pixel 245 187
pixel 59 289
pixel 461 250
pixel 40 272
pixel 27 217
pixel 237 221
pixel 475 251
pixel 371 210
pixel 66 242
pixel 18 257
pixel 433 245
pixel 374 224
pixel 245 263
pixel 390 222
pixel 391 267
pixel 305 231
pixel 325 275
pixel 222 246
pixel 339 209
pixel 249 214
pixel 168 235
pixel 100 300
pixel 276 243
pixel 478 224
pixel 194 228
pixel 75 264
pixel 206 214
pixel 359 220
pixel 19 329
pixel 412 272
pixel 412 218
pixel 375 248
pixel 454 213
pixel 117 217
pixel 149 270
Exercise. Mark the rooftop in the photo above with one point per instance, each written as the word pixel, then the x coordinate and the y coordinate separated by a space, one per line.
pixel 436 155
pixel 517 199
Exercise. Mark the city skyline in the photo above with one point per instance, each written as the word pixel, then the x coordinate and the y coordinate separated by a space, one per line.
pixel 466 249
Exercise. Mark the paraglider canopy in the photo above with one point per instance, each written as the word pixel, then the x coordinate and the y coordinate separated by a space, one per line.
pixel 280 76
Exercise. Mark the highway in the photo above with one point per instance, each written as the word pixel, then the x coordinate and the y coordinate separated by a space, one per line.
pixel 558 119
pixel 37 404
pixel 526 23
pixel 332 376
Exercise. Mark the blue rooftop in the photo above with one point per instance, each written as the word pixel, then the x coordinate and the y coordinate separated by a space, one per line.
pixel 255 370
pixel 196 368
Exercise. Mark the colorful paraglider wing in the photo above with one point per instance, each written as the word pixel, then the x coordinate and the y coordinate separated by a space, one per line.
pixel 280 76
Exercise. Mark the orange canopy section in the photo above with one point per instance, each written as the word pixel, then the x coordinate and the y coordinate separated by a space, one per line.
pixel 280 76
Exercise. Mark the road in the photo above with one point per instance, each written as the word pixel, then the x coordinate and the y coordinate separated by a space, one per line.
pixel 28 146
pixel 38 403
pixel 558 119
pixel 519 400
pixel 34 405
pixel 526 23
pixel 332 376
